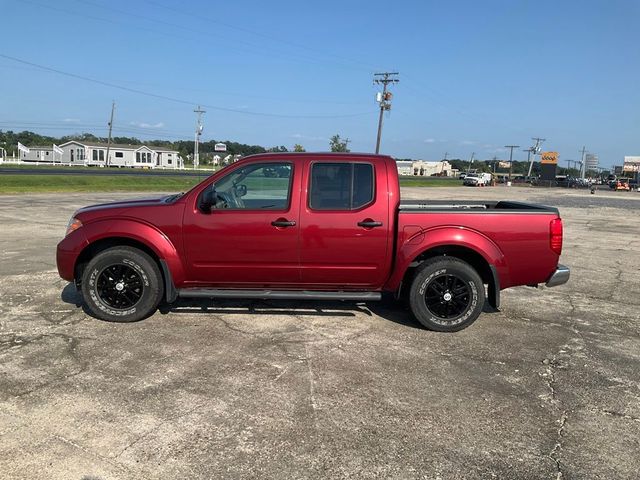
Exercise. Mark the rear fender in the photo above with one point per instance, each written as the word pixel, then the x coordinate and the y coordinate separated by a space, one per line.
pixel 418 243
pixel 140 232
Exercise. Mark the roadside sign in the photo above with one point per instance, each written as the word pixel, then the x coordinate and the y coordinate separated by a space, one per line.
pixel 504 164
pixel 631 164
pixel 220 147
pixel 549 158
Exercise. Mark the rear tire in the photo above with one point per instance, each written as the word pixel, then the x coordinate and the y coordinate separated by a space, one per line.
pixel 122 284
pixel 446 295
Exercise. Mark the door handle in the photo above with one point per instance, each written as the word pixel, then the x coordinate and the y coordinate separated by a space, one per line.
pixel 283 223
pixel 368 223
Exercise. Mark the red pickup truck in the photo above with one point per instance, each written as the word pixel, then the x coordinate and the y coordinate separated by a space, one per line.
pixel 309 226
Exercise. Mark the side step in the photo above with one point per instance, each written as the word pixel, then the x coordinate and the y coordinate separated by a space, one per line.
pixel 277 294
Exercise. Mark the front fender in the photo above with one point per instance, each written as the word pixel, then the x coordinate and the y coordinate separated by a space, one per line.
pixel 143 233
pixel 419 241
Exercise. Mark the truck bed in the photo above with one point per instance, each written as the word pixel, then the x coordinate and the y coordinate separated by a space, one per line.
pixel 470 206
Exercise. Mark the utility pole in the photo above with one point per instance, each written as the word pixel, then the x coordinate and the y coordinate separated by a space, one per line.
pixel 113 107
pixel 582 167
pixel 535 150
pixel 196 154
pixel 511 147
pixel 446 154
pixel 383 98
pixel 470 162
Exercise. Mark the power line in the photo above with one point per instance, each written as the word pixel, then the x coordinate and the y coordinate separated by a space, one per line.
pixel 384 98
pixel 173 99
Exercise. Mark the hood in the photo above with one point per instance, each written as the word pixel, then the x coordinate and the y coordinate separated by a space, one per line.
pixel 142 202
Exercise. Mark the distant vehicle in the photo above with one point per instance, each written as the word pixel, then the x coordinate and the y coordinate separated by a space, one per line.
pixel 462 175
pixel 478 179
pixel 622 184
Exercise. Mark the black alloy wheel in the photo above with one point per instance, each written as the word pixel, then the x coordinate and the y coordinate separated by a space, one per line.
pixel 122 284
pixel 119 286
pixel 446 294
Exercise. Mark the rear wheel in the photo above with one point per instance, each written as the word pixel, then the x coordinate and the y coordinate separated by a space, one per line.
pixel 446 295
pixel 122 284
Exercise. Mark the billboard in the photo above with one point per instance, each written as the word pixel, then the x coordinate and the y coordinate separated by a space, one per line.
pixel 550 158
pixel 504 164
pixel 631 164
pixel 220 147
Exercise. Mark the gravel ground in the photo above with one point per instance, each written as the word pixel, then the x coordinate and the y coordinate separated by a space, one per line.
pixel 549 387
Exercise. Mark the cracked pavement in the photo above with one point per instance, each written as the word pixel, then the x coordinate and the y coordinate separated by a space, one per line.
pixel 549 387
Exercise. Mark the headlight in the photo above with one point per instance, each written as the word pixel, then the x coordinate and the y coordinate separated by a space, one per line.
pixel 73 225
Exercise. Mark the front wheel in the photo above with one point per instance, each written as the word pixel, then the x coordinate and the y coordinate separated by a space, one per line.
pixel 122 284
pixel 446 295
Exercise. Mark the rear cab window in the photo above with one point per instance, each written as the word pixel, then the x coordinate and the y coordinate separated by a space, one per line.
pixel 341 185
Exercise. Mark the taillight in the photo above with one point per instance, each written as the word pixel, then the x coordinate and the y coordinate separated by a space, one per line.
pixel 555 235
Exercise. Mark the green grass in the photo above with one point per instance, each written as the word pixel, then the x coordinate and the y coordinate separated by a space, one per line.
pixel 10 183
pixel 415 181
pixel 95 183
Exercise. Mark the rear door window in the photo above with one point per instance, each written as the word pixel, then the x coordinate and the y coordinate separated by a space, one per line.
pixel 341 186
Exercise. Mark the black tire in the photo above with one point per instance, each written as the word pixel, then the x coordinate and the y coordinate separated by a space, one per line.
pixel 446 295
pixel 122 284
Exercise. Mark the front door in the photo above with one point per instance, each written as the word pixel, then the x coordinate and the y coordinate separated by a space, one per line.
pixel 345 225
pixel 250 238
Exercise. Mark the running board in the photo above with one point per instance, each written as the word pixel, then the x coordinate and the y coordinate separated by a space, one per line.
pixel 277 294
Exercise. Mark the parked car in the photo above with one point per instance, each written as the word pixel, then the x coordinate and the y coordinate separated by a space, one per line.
pixel 330 226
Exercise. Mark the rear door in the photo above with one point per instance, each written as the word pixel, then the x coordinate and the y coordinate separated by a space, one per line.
pixel 345 224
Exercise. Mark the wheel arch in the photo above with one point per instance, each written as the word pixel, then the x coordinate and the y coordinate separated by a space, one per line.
pixel 163 254
pixel 467 245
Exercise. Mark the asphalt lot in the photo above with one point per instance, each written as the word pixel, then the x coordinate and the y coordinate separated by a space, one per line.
pixel 549 387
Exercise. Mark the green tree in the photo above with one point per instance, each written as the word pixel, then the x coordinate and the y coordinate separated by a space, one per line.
pixel 338 144
pixel 281 148
pixel 298 148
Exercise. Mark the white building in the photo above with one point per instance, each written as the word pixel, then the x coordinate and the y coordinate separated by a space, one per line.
pixel 405 167
pixel 39 154
pixel 134 156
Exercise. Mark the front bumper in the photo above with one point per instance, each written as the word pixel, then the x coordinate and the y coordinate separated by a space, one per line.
pixel 559 277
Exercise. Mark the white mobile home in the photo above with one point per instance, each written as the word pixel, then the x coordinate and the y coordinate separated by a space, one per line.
pixel 40 154
pixel 95 154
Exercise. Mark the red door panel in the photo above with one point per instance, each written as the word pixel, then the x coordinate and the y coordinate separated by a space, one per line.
pixel 336 252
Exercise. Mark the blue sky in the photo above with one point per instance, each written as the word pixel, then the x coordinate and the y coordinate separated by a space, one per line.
pixel 474 75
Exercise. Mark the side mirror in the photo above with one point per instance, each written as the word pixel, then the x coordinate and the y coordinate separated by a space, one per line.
pixel 207 199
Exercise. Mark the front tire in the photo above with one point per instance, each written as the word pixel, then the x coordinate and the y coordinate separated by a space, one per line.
pixel 446 295
pixel 122 284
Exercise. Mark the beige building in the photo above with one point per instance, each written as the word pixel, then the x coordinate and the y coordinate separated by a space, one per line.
pixel 427 169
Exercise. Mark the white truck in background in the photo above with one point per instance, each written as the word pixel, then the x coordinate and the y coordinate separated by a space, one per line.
pixel 478 179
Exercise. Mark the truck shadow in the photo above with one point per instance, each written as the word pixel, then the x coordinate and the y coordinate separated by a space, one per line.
pixel 388 308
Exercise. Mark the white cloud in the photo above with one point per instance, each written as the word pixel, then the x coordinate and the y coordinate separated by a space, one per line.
pixel 147 125
pixel 467 142
pixel 300 136
pixel 430 140
pixel 71 120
